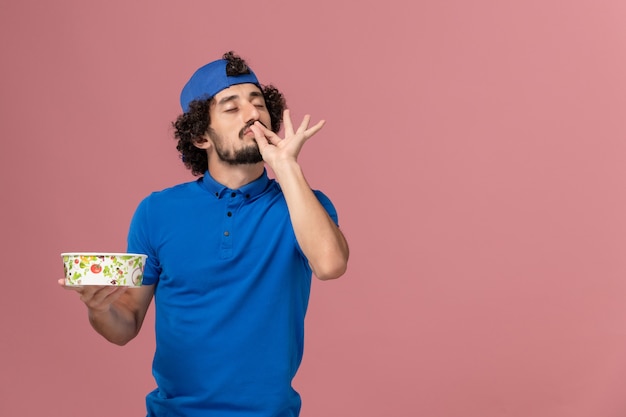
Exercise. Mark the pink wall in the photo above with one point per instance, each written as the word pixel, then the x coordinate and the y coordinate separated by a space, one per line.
pixel 476 152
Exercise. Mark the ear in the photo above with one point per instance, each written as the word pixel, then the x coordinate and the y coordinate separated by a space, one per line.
pixel 203 142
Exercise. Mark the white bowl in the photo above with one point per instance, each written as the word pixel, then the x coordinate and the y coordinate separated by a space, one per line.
pixel 95 268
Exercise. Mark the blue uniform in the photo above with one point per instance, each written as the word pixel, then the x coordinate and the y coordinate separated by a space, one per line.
pixel 231 292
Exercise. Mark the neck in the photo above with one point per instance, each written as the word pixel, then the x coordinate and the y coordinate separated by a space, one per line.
pixel 234 176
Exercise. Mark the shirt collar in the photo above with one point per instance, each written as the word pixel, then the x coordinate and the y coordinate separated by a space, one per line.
pixel 249 190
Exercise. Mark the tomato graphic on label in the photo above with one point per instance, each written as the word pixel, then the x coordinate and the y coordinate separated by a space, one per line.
pixel 96 269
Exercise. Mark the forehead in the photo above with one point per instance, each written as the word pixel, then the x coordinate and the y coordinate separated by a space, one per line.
pixel 238 91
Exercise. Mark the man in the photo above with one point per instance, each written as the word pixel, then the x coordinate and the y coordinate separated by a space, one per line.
pixel 230 255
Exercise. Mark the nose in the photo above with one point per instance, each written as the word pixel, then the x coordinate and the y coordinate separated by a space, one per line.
pixel 251 112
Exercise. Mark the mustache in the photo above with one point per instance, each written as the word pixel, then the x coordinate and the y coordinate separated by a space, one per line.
pixel 247 126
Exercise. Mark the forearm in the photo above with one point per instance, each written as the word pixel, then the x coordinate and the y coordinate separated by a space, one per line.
pixel 319 237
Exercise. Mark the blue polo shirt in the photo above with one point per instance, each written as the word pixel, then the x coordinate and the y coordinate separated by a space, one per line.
pixel 231 292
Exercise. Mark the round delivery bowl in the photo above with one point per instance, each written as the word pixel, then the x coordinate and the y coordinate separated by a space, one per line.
pixel 101 268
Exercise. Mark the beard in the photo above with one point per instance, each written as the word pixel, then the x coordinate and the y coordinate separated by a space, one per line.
pixel 247 155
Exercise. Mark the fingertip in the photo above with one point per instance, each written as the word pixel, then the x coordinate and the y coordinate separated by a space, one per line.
pixel 319 124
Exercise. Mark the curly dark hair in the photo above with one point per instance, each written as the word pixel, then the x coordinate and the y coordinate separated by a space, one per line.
pixel 191 126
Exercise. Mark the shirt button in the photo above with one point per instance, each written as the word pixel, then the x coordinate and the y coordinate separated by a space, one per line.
pixel 233 194
pixel 229 214
pixel 226 233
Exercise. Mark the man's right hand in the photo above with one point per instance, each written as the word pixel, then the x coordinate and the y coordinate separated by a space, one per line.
pixel 97 298
pixel 115 312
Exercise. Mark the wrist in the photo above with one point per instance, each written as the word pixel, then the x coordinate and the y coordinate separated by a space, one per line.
pixel 286 168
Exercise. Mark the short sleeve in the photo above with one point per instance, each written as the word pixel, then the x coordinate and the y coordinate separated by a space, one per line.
pixel 328 205
pixel 139 242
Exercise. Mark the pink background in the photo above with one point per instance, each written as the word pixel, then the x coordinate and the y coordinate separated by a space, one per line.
pixel 476 151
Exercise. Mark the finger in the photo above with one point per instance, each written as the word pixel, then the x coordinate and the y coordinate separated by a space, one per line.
pixel 95 294
pixel 105 296
pixel 304 124
pixel 287 122
pixel 259 135
pixel 88 292
pixel 267 134
pixel 314 129
pixel 115 294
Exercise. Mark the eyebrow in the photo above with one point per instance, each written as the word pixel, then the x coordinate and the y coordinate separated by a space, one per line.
pixel 226 99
